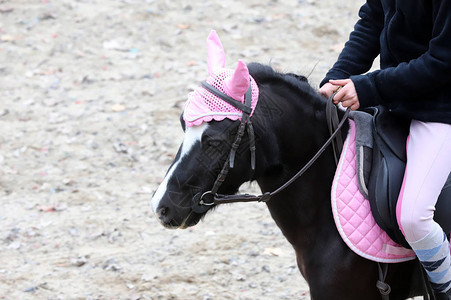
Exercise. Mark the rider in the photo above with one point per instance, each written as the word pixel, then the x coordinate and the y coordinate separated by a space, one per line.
pixel 413 39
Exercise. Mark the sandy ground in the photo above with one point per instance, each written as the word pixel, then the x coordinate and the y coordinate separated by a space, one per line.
pixel 90 95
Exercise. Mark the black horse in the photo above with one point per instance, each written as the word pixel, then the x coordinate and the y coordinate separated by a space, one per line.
pixel 290 126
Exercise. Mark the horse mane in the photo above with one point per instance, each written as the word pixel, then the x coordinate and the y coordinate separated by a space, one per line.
pixel 264 73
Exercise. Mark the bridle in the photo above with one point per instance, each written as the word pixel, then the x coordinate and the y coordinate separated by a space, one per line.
pixel 203 201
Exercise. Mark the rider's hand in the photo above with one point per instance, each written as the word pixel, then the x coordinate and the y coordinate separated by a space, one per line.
pixel 347 95
pixel 328 89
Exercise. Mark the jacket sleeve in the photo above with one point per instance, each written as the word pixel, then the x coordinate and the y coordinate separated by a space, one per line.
pixel 419 78
pixel 363 45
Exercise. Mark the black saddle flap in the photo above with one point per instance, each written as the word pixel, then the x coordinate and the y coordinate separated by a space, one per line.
pixel 392 131
pixel 389 161
pixel 387 173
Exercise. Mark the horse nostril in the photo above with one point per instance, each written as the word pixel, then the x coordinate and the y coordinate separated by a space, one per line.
pixel 162 212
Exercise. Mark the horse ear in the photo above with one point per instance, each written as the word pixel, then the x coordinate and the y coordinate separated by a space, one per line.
pixel 215 53
pixel 237 86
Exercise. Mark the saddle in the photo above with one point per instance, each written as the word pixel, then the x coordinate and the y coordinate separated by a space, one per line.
pixel 387 172
pixel 365 191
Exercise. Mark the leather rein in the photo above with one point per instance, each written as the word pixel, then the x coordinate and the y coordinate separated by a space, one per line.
pixel 202 202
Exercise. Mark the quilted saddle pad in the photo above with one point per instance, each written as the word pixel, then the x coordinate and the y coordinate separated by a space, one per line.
pixel 352 212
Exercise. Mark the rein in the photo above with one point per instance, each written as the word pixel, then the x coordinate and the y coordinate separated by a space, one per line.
pixel 202 202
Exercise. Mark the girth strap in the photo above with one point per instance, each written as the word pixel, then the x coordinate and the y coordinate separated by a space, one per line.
pixel 382 286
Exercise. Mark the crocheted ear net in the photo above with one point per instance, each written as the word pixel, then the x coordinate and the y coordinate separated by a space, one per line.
pixel 203 106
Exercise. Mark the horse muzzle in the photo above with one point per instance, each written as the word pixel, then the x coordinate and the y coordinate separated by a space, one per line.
pixel 173 216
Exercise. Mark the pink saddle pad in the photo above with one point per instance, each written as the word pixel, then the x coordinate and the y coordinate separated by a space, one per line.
pixel 352 212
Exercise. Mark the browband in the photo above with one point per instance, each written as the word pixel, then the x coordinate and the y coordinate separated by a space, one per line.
pixel 235 103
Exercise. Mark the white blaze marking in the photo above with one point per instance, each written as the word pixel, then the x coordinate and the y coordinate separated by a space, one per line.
pixel 192 135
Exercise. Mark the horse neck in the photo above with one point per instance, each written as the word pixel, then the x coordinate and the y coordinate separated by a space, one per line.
pixel 295 136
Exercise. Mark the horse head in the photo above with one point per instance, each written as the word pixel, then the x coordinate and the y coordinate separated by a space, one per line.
pixel 211 126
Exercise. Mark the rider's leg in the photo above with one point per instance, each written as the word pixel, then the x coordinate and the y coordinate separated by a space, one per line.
pixel 428 167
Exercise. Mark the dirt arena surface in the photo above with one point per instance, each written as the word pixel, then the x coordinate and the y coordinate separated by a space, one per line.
pixel 90 97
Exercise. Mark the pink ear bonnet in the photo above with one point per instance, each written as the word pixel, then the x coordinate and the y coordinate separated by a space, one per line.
pixel 202 105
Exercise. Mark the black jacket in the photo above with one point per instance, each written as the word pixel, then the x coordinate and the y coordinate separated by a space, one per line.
pixel 413 38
